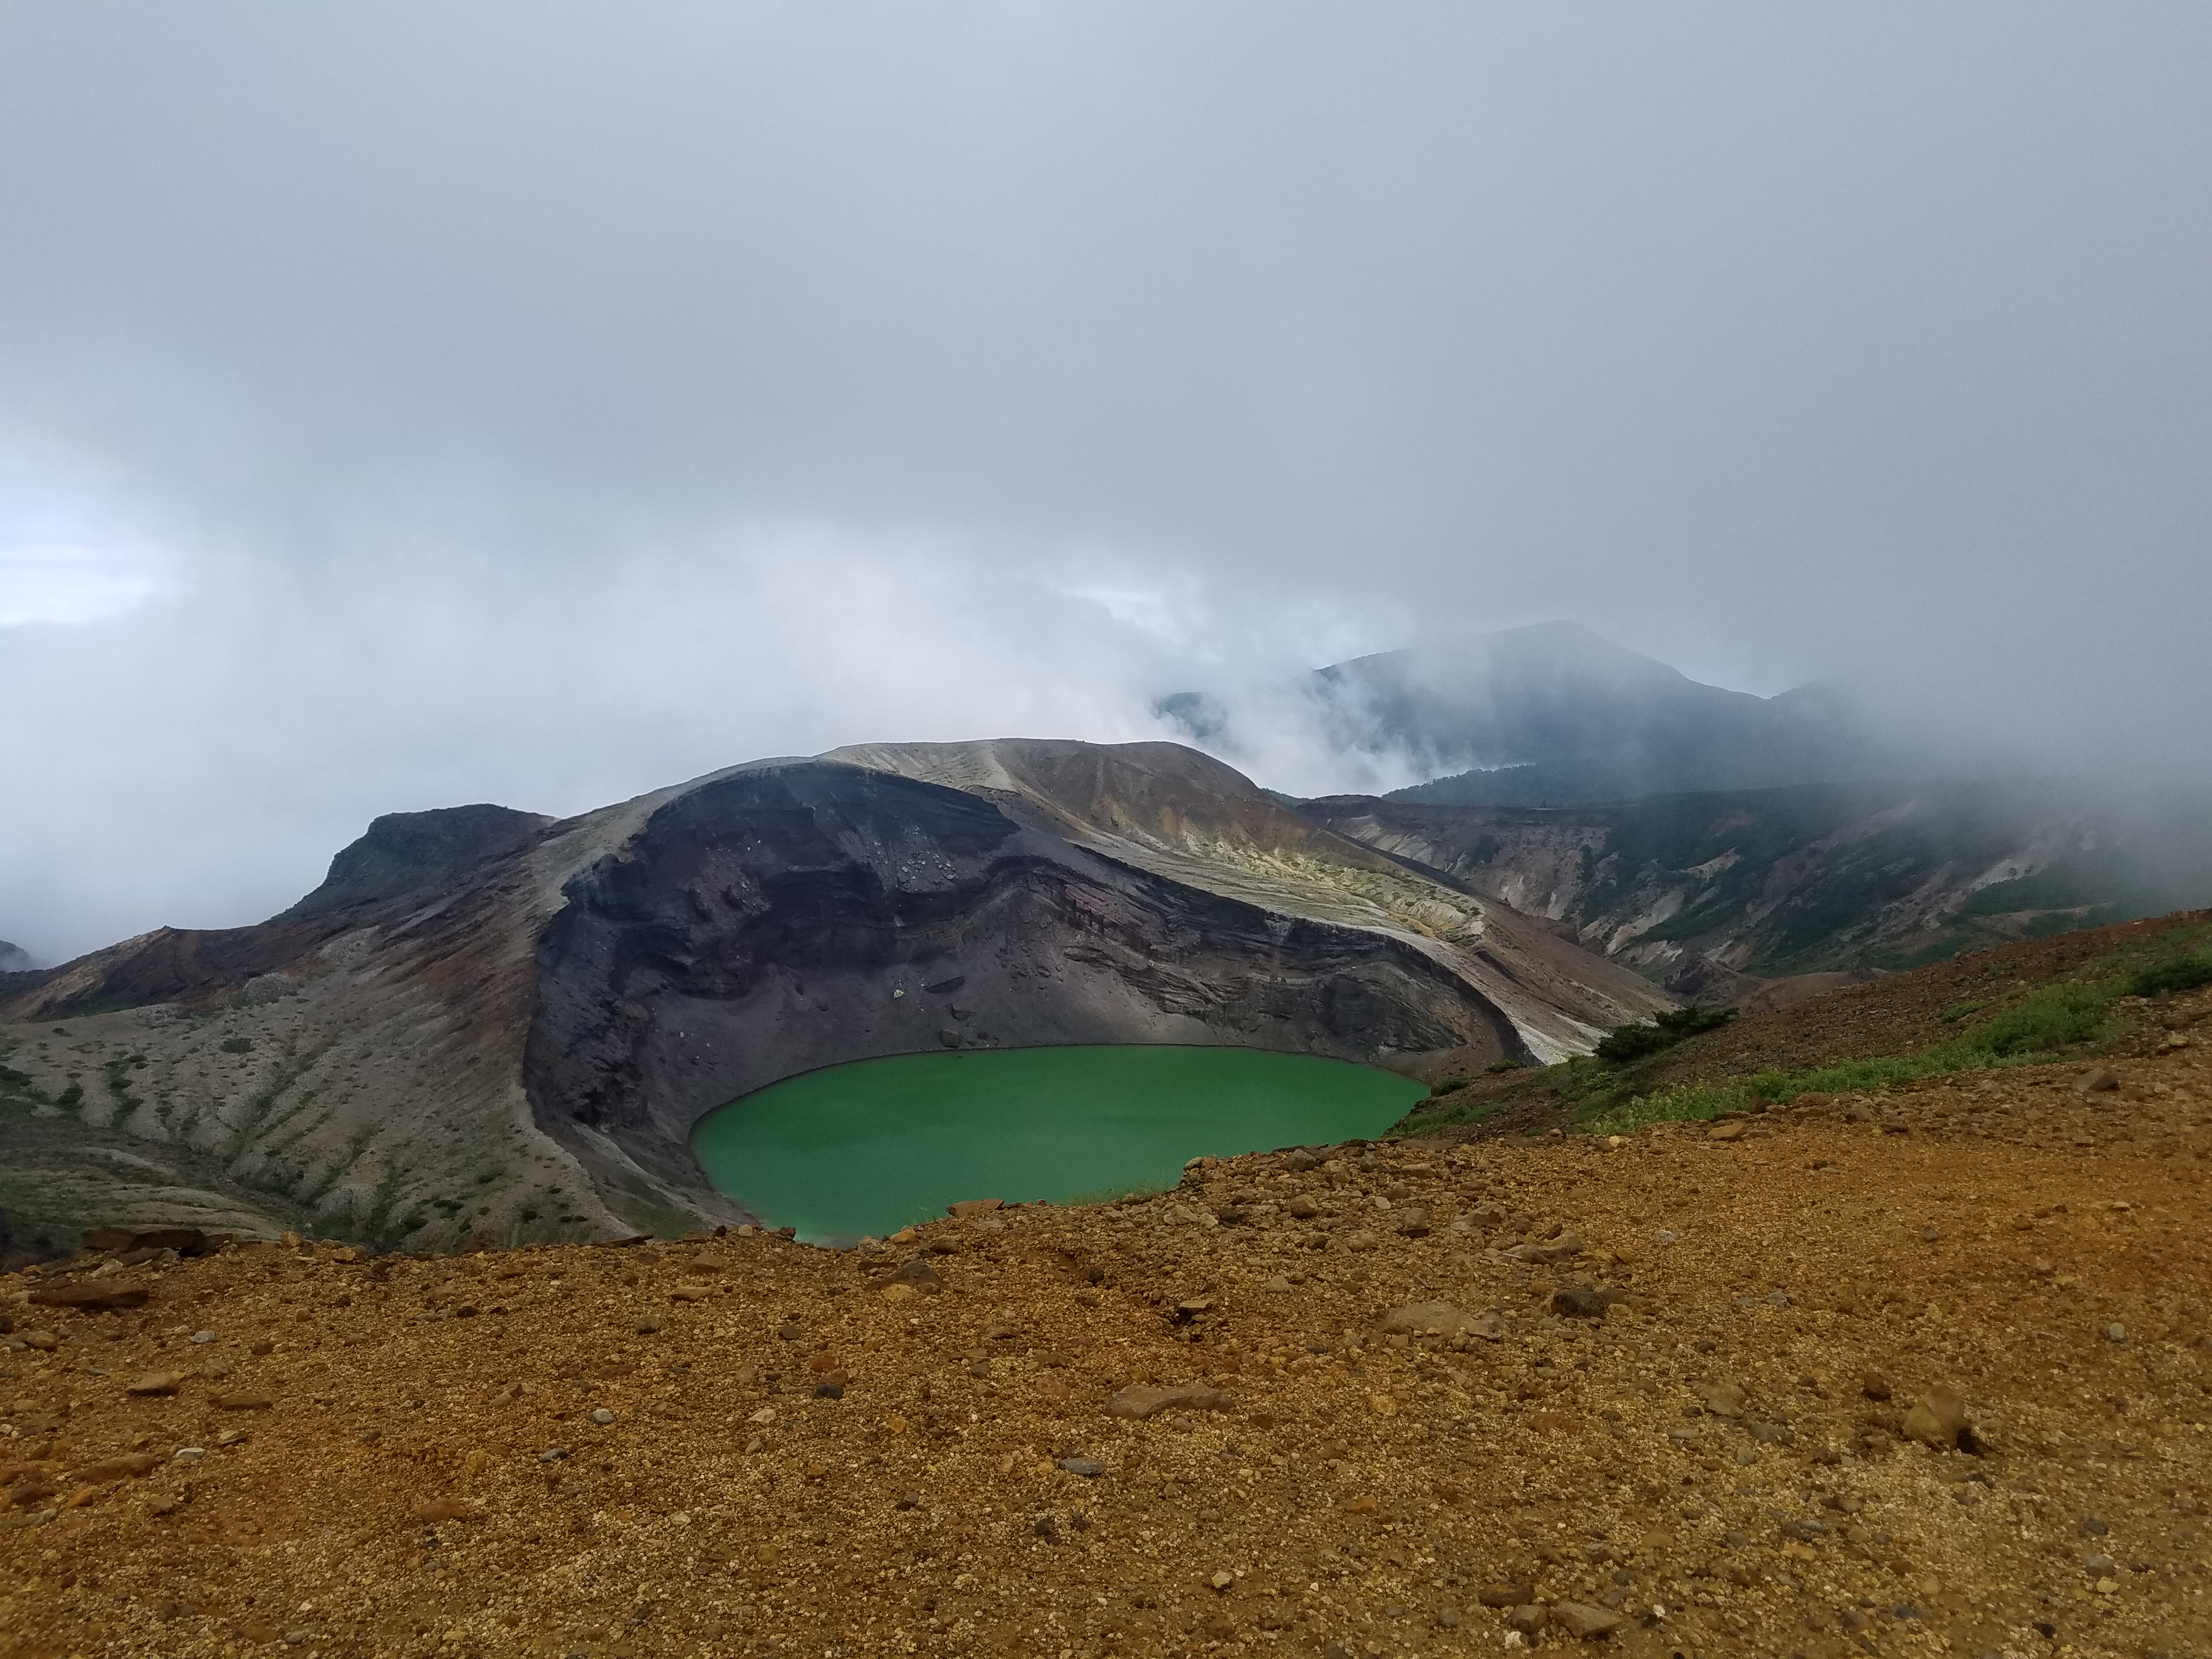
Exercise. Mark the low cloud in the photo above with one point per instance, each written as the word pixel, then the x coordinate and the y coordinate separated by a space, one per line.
pixel 473 401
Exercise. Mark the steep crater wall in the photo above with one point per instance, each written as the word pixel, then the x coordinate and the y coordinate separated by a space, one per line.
pixel 795 915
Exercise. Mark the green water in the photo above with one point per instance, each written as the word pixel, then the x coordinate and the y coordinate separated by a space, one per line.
pixel 868 1147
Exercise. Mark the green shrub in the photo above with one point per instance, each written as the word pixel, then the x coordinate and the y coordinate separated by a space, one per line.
pixel 1497 1066
pixel 1631 1042
pixel 2048 1017
pixel 237 1045
pixel 2182 974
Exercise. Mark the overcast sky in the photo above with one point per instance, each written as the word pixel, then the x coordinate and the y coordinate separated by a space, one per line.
pixel 409 404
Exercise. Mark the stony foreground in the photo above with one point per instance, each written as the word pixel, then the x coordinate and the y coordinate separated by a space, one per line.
pixel 1914 1373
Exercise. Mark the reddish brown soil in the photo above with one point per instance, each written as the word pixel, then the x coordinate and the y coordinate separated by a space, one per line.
pixel 1358 1494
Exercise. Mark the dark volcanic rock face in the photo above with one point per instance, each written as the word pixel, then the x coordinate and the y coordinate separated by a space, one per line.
pixel 406 851
pixel 798 916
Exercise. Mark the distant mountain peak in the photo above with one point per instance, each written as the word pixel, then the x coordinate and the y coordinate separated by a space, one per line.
pixel 1554 711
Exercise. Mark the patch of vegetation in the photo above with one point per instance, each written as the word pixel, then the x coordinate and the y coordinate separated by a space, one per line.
pixel 1708 1100
pixel 118 1075
pixel 11 1080
pixel 236 1045
pixel 1634 1043
pixel 1498 1066
pixel 1430 1116
pixel 2071 1015
pixel 2181 973
pixel 2038 1024
pixel 2048 1019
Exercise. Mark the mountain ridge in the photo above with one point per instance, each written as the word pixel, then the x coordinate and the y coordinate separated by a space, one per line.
pixel 517 1048
pixel 1555 713
pixel 1711 893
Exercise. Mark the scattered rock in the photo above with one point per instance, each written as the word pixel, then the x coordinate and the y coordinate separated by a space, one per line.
pixel 432 1511
pixel 1725 1131
pixel 1507 1596
pixel 1140 1400
pixel 118 1240
pixel 917 1274
pixel 1722 1399
pixel 602 1416
pixel 1089 1468
pixel 128 1467
pixel 1579 1302
pixel 1875 1386
pixel 1580 1618
pixel 1939 1420
pixel 1425 1318
pixel 154 1383
pixel 968 1208
pixel 1564 1247
pixel 243 1402
pixel 91 1298
pixel 2097 1080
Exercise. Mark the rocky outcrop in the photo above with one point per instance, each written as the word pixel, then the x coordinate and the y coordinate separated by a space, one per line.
pixel 408 852
pixel 489 1025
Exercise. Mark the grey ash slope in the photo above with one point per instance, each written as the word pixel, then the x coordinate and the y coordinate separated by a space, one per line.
pixel 518 1044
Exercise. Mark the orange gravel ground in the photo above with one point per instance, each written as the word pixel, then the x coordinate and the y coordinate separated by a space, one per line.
pixel 2039 1250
